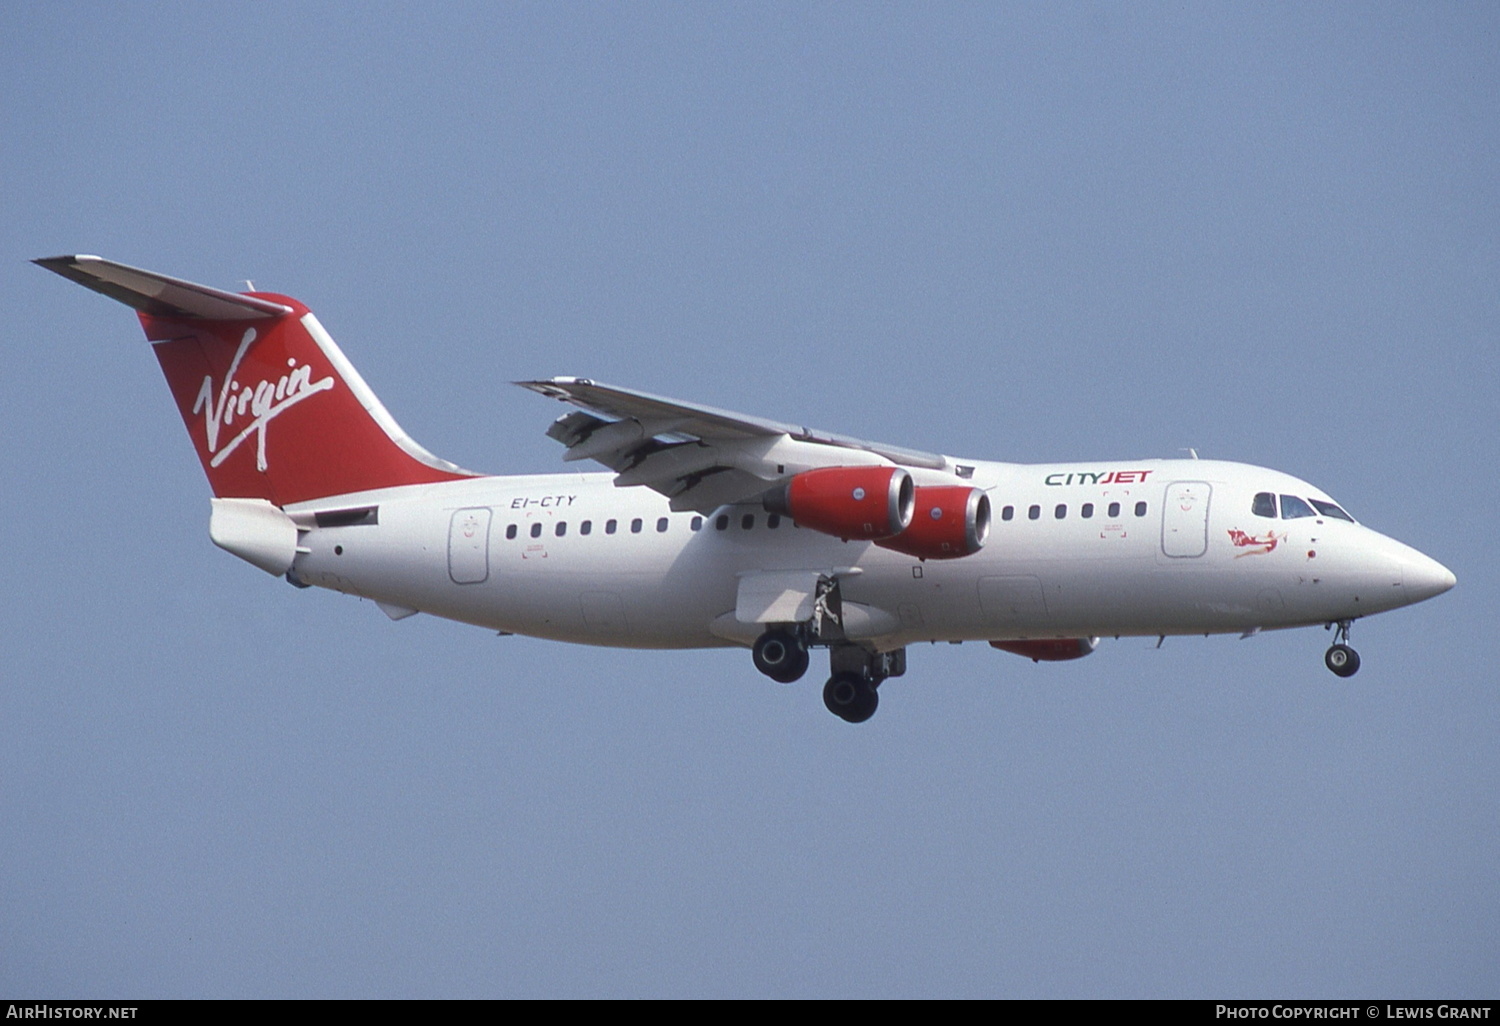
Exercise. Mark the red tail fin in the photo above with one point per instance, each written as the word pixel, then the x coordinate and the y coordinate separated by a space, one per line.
pixel 274 408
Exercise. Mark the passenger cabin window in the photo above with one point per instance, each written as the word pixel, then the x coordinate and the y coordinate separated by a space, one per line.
pixel 697 524
pixel 610 525
pixel 1114 509
pixel 562 528
pixel 635 526
pixel 1293 508
pixel 1264 505
pixel 1087 511
pixel 1140 509
pixel 1328 509
pixel 721 522
pixel 1061 511
pixel 773 521
pixel 536 529
pixel 747 521
pixel 510 532
pixel 661 525
pixel 587 527
pixel 1034 513
pixel 1008 513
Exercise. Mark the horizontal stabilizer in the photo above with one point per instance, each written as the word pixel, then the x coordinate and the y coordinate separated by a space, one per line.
pixel 159 295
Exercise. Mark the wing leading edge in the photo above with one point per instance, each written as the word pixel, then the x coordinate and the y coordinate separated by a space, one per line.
pixel 698 456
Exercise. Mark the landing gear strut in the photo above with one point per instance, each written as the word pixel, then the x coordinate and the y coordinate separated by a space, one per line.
pixel 1340 658
pixel 781 655
pixel 855 669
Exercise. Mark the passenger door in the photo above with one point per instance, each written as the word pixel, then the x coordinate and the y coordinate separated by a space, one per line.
pixel 1184 519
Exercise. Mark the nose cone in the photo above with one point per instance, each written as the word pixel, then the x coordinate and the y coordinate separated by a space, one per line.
pixel 1382 562
pixel 1423 577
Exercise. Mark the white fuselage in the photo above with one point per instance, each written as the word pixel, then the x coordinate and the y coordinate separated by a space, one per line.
pixel 574 558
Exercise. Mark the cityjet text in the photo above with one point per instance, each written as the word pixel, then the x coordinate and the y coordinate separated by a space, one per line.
pixel 1103 477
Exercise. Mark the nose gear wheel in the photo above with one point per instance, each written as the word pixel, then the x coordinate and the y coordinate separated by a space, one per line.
pixel 1340 658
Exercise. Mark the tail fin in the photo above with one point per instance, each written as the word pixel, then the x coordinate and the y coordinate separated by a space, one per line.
pixel 274 408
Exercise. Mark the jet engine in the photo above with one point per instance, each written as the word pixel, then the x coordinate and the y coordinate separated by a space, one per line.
pixel 1052 650
pixel 950 521
pixel 861 503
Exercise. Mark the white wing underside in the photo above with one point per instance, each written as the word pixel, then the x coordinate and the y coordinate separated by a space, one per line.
pixel 699 457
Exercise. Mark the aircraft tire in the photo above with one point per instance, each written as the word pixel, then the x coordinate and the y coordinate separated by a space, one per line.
pixel 1342 660
pixel 850 697
pixel 780 655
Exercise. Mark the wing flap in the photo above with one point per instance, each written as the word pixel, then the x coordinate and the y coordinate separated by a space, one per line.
pixel 674 463
pixel 718 486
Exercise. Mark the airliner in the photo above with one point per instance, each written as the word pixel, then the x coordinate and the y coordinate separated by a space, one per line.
pixel 715 529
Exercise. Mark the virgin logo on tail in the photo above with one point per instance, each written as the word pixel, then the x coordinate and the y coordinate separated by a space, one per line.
pixel 262 402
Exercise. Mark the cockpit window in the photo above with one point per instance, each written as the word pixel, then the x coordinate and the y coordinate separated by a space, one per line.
pixel 1328 509
pixel 1292 508
pixel 1264 505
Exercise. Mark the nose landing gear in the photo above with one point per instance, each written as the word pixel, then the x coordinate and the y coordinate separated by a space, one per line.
pixel 1340 658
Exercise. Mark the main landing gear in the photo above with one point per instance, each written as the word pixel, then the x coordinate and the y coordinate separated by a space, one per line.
pixel 781 653
pixel 856 672
pixel 1340 658
pixel 851 697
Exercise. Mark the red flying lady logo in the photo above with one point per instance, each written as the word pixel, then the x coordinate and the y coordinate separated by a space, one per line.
pixel 1254 545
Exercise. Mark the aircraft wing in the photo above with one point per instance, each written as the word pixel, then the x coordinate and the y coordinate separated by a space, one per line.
pixel 700 457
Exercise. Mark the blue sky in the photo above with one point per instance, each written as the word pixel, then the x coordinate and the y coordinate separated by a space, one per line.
pixel 1031 232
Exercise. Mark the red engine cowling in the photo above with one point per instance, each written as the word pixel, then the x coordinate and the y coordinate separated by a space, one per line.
pixel 950 521
pixel 860 503
pixel 1053 650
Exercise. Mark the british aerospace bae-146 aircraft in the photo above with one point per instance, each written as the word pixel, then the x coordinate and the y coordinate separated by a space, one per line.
pixel 713 528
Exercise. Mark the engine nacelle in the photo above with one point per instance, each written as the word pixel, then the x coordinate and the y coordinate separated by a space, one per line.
pixel 1053 650
pixel 862 503
pixel 950 521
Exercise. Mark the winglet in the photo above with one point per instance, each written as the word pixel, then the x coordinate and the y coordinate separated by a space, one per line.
pixel 159 295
